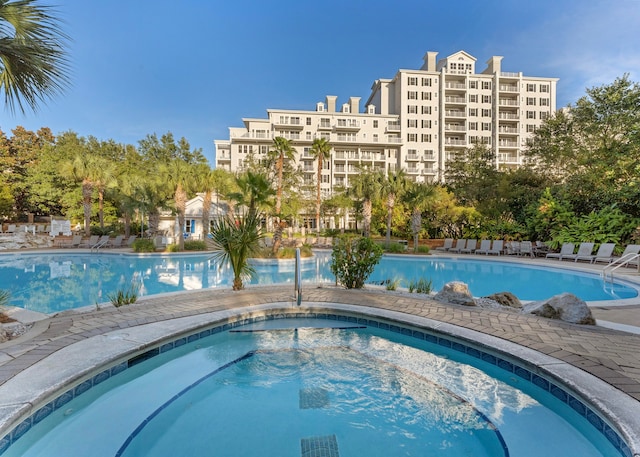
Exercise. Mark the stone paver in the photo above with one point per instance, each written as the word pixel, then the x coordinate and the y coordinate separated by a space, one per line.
pixel 610 355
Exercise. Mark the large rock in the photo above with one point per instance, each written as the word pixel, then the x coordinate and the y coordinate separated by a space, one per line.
pixel 566 307
pixel 506 299
pixel 457 293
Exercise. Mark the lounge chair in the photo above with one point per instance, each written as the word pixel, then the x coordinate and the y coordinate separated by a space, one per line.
pixel 448 244
pixel 93 239
pixel 131 239
pixel 540 249
pixel 629 256
pixel 116 242
pixel 604 254
pixel 496 247
pixel 512 248
pixel 565 250
pixel 460 245
pixel 526 248
pixel 471 246
pixel 485 246
pixel 584 250
pixel 104 239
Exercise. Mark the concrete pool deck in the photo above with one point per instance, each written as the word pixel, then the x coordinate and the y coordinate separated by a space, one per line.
pixel 610 355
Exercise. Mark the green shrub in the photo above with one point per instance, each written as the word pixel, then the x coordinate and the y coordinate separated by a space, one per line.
pixel 423 250
pixel 421 286
pixel 353 259
pixel 124 297
pixel 392 284
pixel 5 295
pixel 286 253
pixel 395 248
pixel 195 245
pixel 143 245
pixel 172 248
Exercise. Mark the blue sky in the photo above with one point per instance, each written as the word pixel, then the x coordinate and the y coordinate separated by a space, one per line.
pixel 197 67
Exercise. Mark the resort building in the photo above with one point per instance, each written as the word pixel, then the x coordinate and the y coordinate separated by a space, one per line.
pixel 415 121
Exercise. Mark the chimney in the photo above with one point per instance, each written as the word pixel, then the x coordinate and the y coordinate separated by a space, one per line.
pixel 355 104
pixel 493 65
pixel 429 61
pixel 331 103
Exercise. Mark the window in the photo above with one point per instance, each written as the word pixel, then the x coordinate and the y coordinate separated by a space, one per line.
pixel 473 126
pixel 412 137
pixel 326 179
pixel 375 137
pixel 412 95
pixel 426 110
pixel 426 82
pixel 426 138
pixel 486 113
pixel 325 122
pixel 426 95
pixel 531 114
pixel 426 123
pixel 531 101
pixel 190 226
pixel 531 128
pixel 308 135
pixel 473 84
pixel 544 102
pixel 264 149
pixel 531 87
pixel 486 99
pixel 486 85
pixel 473 111
pixel 412 123
pixel 308 121
pixel 412 109
pixel 473 98
pixel 486 126
pixel 412 81
pixel 375 124
pixel 544 88
pixel 544 116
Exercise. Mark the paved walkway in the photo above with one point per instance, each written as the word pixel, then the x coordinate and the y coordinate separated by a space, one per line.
pixel 610 355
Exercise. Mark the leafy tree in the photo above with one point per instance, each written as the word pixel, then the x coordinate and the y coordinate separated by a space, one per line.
pixel 321 151
pixel 33 61
pixel 339 204
pixel 255 191
pixel 236 240
pixel 353 259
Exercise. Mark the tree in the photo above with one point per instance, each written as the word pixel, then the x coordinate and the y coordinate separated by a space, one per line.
pixel 255 191
pixel 281 152
pixel 417 197
pixel 33 61
pixel 353 259
pixel 178 175
pixel 393 186
pixel 365 186
pixel 236 240
pixel 321 151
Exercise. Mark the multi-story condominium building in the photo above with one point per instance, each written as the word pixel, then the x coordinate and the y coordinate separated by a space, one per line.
pixel 415 121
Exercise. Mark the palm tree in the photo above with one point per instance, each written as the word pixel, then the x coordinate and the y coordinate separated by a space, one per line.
pixel 393 187
pixel 178 174
pixel 33 62
pixel 236 240
pixel 365 186
pixel 321 151
pixel 83 168
pixel 255 191
pixel 417 197
pixel 281 151
pixel 104 176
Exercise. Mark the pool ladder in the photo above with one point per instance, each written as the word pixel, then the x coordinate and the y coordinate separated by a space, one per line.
pixel 298 279
pixel 621 262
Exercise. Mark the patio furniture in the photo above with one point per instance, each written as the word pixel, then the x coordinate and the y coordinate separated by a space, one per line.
pixel 460 245
pixel 470 247
pixel 448 244
pixel 584 250
pixel 565 250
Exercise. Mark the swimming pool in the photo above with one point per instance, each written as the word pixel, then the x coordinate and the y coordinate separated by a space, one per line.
pixel 50 283
pixel 280 387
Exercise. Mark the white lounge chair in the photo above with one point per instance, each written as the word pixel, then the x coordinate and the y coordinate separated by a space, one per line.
pixel 485 247
pixel 565 250
pixel 93 239
pixel 460 245
pixel 629 256
pixel 104 239
pixel 604 254
pixel 470 247
pixel 496 247
pixel 448 244
pixel 526 248
pixel 116 242
pixel 584 250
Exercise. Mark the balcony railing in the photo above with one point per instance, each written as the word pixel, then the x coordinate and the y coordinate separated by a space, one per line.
pixel 395 139
pixel 508 88
pixel 508 144
pixel 509 74
pixel 393 126
pixel 455 114
pixel 412 157
pixel 508 116
pixel 508 102
pixel 455 128
pixel 455 86
pixel 452 99
pixel 455 143
pixel 507 130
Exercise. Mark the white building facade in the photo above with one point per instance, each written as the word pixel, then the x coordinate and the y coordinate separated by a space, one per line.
pixel 416 122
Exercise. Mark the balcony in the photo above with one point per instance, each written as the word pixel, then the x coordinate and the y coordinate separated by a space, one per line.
pixel 348 124
pixel 413 170
pixel 428 171
pixel 338 169
pixel 509 74
pixel 288 123
pixel 507 144
pixel 428 158
pixel 455 86
pixel 412 157
pixel 325 125
pixel 508 102
pixel 223 157
pixel 452 99
pixel 393 127
pixel 455 128
pixel 511 116
pixel 395 139
pixel 508 88
pixel 507 158
pixel 451 113
pixel 455 142
pixel 342 138
pixel 506 129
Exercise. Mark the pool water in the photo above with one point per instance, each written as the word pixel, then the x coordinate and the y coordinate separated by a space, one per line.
pixel 55 282
pixel 292 389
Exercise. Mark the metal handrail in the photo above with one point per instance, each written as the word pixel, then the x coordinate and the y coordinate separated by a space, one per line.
pixel 621 262
pixel 298 279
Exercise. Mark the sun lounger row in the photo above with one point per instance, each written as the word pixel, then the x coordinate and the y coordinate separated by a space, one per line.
pixel 95 242
pixel 464 246
pixel 603 254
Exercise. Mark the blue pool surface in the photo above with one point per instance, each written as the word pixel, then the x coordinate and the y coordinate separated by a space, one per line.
pixel 302 389
pixel 50 283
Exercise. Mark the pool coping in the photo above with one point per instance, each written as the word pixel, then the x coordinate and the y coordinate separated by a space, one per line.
pixel 30 390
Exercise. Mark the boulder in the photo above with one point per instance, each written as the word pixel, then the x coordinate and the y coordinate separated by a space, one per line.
pixel 566 307
pixel 506 299
pixel 457 293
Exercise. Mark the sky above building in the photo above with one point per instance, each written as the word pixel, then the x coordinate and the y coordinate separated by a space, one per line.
pixel 197 67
